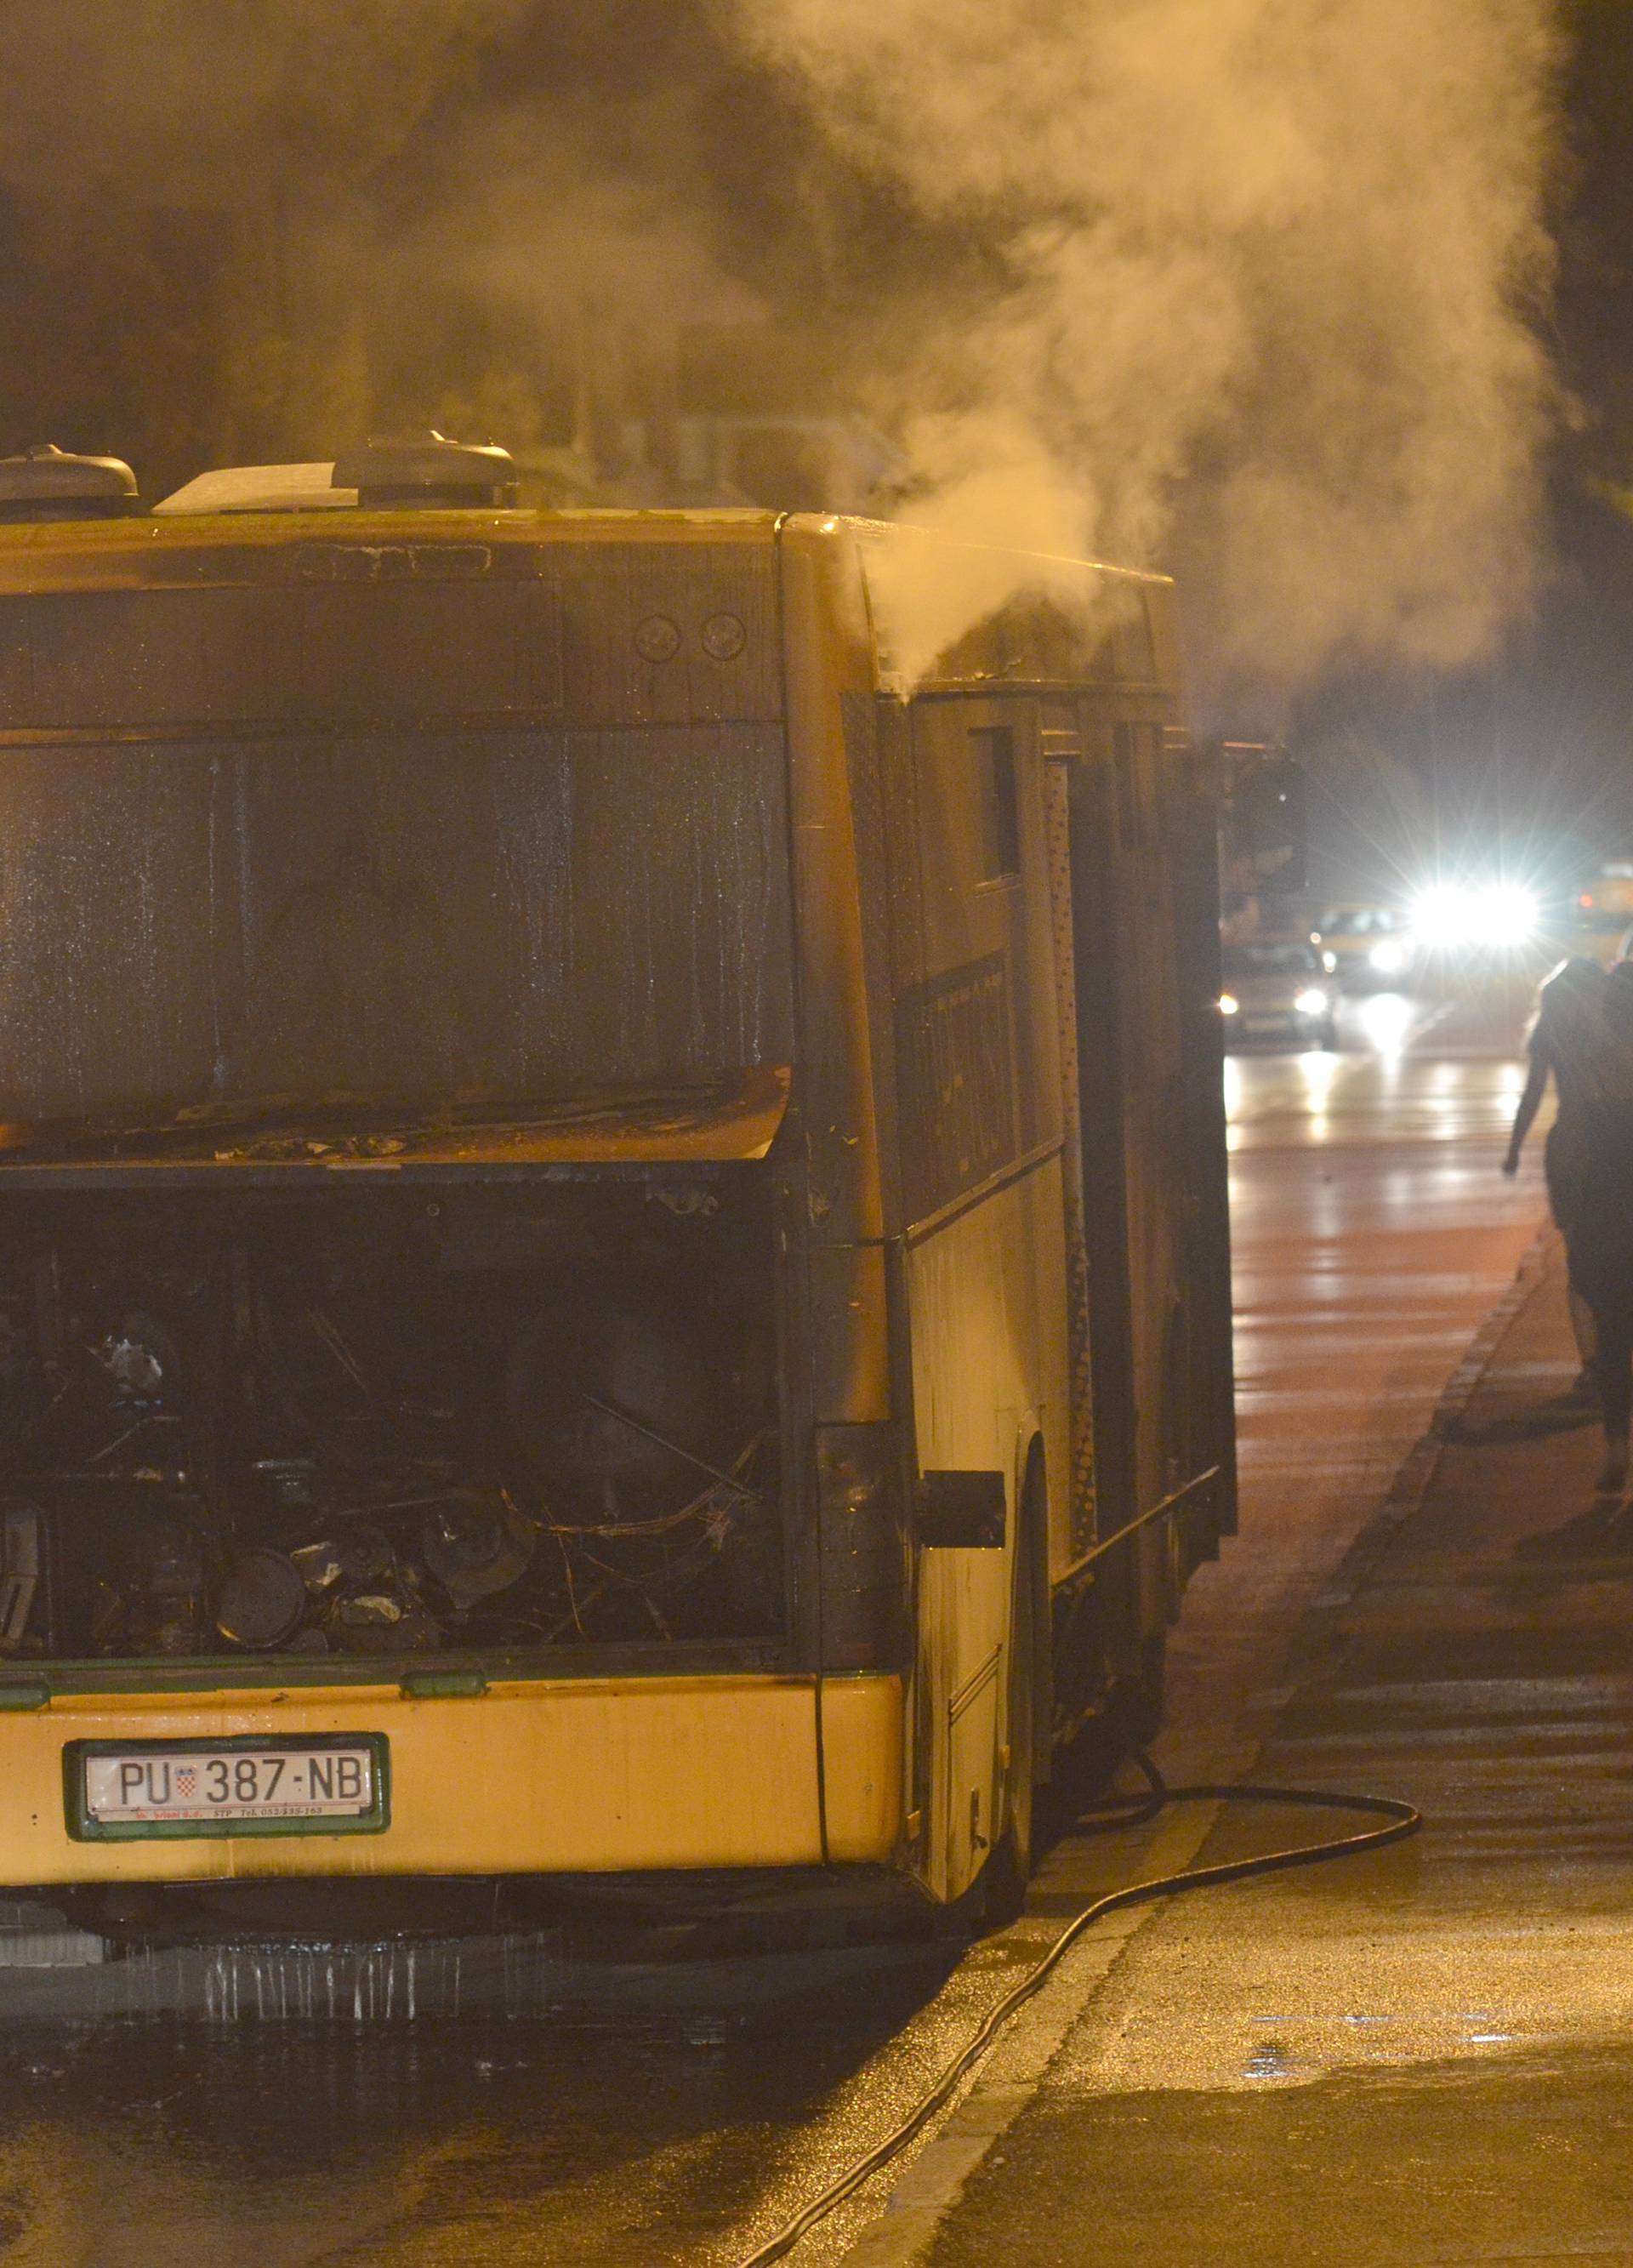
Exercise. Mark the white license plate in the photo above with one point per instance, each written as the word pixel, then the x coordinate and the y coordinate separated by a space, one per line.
pixel 189 1787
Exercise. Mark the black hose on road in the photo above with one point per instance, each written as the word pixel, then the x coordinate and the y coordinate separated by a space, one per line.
pixel 1401 1819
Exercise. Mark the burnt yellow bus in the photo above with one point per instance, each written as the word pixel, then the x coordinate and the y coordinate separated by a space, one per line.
pixel 613 1247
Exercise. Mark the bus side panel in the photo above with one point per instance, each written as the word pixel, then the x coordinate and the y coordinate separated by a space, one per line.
pixel 1150 1114
pixel 1209 1383
pixel 1153 1109
pixel 985 1270
pixel 986 1292
pixel 850 1573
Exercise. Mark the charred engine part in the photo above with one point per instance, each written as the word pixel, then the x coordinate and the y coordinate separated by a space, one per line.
pixel 111 1391
pixel 21 1378
pixel 477 1547
pixel 395 1621
pixel 354 1558
pixel 362 1600
pixel 619 1401
pixel 136 1359
pixel 152 1594
pixel 22 1566
pixel 262 1600
pixel 291 1486
pixel 385 1424
pixel 628 1395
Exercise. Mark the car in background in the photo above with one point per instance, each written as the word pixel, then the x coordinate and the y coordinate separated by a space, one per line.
pixel 1276 988
pixel 1603 914
pixel 1364 947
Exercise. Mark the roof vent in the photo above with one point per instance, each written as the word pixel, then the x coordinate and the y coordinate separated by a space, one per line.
pixel 46 483
pixel 428 473
pixel 258 488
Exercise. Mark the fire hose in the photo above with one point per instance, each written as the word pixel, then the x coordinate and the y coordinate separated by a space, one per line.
pixel 1400 1820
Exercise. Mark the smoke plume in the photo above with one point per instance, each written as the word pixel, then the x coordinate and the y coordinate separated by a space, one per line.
pixel 1247 289
pixel 1262 283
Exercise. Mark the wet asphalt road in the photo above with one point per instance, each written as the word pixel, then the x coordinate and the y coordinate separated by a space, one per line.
pixel 1373 1233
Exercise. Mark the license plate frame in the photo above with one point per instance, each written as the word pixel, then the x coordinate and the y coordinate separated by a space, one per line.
pixel 85 1826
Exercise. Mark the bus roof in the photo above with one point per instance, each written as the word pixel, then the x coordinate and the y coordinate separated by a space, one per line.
pixel 942 611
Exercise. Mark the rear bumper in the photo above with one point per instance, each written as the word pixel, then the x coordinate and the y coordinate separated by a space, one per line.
pixel 548 1778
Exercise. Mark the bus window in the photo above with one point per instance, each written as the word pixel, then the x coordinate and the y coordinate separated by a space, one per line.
pixel 1125 771
pixel 993 748
pixel 969 1006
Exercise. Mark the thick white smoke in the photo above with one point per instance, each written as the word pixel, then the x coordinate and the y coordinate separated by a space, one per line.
pixel 1267 273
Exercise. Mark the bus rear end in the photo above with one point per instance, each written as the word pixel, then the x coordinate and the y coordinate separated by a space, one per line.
pixel 399 1421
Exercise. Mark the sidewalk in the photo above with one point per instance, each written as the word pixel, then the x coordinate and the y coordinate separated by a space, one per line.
pixel 1422 2057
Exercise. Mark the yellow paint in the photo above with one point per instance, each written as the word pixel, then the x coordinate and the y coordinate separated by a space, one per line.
pixel 989 1372
pixel 534 1778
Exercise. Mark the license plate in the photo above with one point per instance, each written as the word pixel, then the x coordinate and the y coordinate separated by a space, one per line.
pixel 119 1790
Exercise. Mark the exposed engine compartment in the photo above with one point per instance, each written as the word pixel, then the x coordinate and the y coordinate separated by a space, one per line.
pixel 372 1421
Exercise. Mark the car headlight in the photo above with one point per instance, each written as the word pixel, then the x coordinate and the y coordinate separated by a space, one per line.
pixel 1387 958
pixel 1504 914
pixel 1329 962
pixel 1496 914
pixel 1228 1003
pixel 1313 1002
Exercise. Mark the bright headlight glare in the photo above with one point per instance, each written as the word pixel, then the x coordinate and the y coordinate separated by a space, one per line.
pixel 1496 914
pixel 1504 914
pixel 1227 1004
pixel 1442 915
pixel 1313 1002
pixel 1386 958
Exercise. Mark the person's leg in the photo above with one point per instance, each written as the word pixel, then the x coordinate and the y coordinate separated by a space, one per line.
pixel 1613 1368
pixel 1564 1166
pixel 1583 1331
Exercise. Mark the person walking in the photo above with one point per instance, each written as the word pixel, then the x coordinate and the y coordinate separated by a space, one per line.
pixel 1566 1039
pixel 1598 1226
